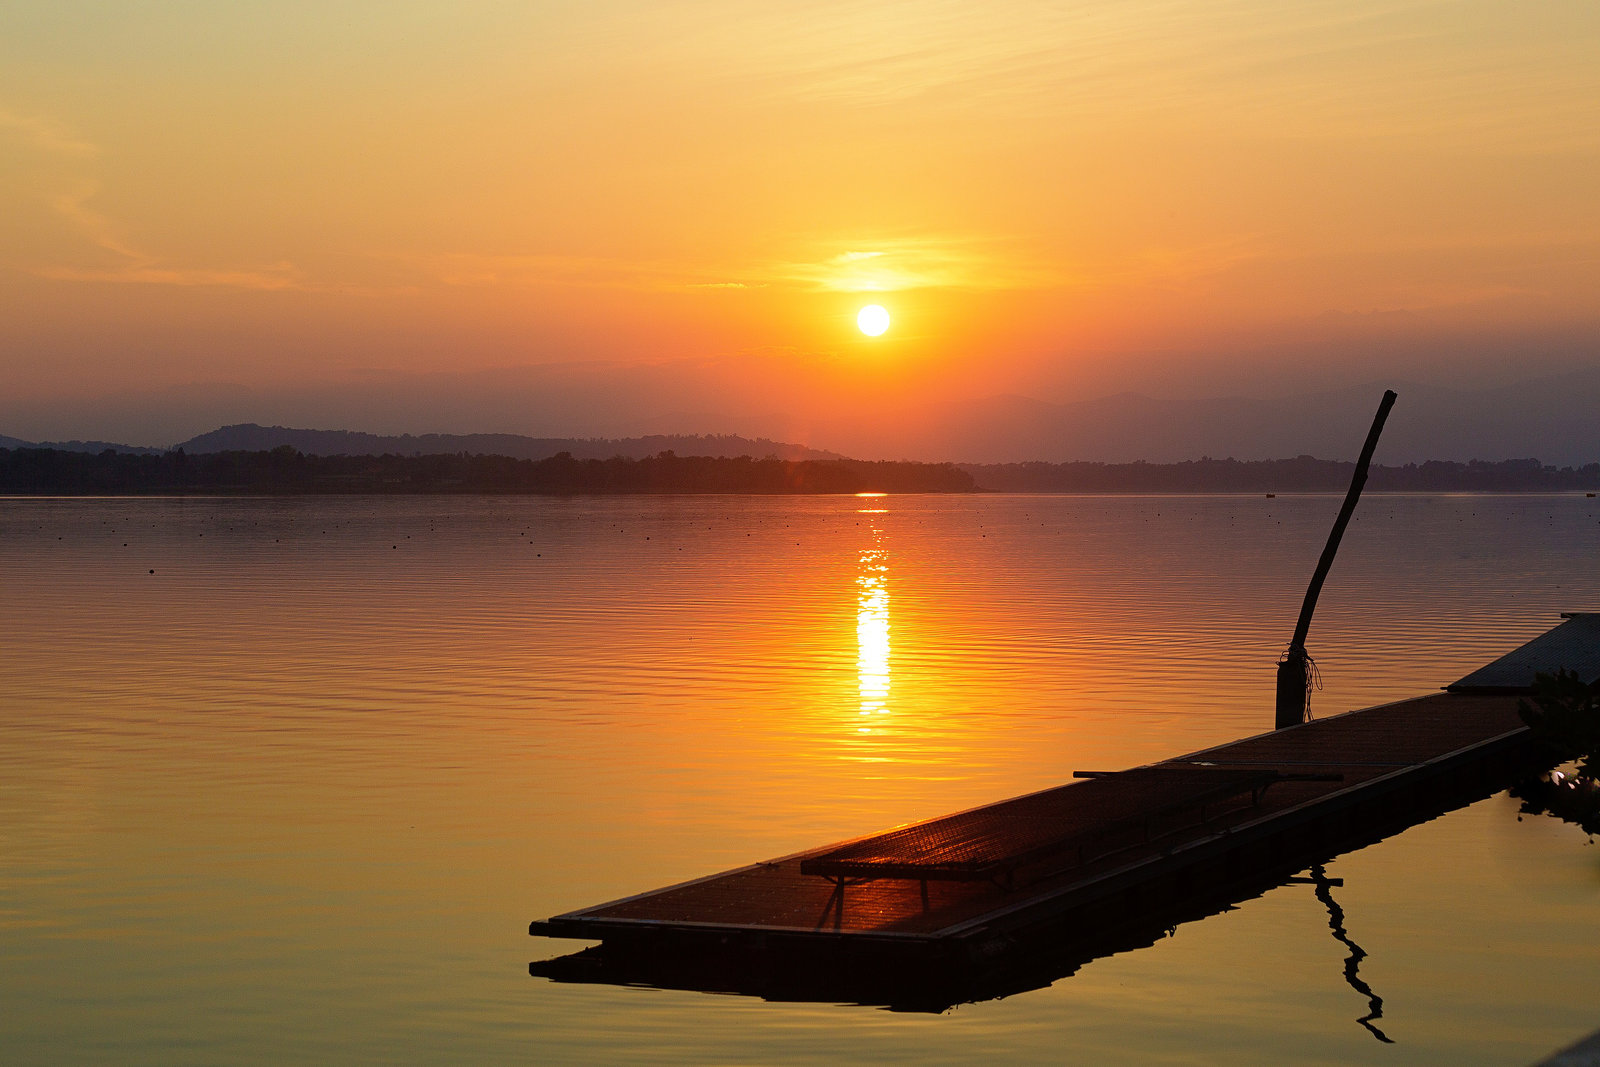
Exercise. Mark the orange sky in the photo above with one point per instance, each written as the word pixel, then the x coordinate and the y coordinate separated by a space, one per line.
pixel 1053 199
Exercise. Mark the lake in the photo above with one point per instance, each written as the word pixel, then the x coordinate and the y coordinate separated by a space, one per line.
pixel 286 779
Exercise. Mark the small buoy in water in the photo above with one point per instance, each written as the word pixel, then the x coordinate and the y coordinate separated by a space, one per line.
pixel 152 570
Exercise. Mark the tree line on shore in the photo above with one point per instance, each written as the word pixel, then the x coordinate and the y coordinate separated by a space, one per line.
pixel 286 470
pixel 1303 474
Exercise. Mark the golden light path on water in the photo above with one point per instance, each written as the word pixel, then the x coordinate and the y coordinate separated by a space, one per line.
pixel 872 625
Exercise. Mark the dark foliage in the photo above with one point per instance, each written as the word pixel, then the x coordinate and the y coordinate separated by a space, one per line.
pixel 1303 474
pixel 1570 798
pixel 285 470
pixel 1564 715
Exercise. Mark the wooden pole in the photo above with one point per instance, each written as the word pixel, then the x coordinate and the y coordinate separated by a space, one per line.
pixel 1294 669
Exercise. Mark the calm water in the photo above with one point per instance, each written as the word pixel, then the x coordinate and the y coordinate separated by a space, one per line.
pixel 297 793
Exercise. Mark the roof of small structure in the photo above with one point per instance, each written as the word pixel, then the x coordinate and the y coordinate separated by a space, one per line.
pixel 1572 646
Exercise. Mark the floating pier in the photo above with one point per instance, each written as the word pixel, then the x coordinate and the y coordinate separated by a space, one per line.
pixel 1015 894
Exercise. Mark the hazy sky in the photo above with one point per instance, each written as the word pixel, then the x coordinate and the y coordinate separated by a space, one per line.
pixel 290 199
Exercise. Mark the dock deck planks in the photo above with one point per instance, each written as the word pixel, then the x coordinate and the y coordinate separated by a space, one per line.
pixel 1573 646
pixel 1375 751
pixel 1096 817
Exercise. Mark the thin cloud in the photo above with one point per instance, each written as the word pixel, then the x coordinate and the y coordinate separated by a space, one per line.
pixel 1187 262
pixel 47 139
pixel 469 269
pixel 141 268
pixel 46 134
pixel 90 224
pixel 528 270
pixel 898 264
pixel 281 276
pixel 893 264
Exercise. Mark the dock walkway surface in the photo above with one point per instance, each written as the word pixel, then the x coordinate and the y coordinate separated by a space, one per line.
pixel 1074 849
pixel 1016 895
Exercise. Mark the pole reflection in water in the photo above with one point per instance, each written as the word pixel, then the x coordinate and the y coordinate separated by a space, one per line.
pixel 1324 891
pixel 872 626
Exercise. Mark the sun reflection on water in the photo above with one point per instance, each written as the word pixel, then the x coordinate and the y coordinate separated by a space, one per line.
pixel 872 628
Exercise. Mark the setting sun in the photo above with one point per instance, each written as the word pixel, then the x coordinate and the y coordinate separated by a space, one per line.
pixel 873 319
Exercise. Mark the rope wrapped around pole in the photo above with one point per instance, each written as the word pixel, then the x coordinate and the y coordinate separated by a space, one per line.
pixel 1297 672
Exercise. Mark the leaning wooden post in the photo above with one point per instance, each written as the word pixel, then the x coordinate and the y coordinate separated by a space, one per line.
pixel 1294 669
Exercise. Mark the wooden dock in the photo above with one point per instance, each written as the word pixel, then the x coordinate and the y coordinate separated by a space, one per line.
pixel 1025 890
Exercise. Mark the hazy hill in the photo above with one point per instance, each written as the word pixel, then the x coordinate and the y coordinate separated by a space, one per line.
pixel 79 446
pixel 1556 418
pixel 635 412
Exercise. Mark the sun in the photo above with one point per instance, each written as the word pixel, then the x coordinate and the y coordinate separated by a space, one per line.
pixel 873 319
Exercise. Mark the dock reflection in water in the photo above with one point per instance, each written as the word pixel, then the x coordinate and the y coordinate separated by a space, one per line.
pixel 930 976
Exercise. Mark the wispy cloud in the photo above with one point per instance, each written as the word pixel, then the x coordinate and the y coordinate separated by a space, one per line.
pixel 280 276
pixel 889 264
pixel 533 269
pixel 73 206
pixel 886 265
pixel 513 269
pixel 130 265
pixel 879 264
pixel 973 265
pixel 1182 263
pixel 1451 73
pixel 94 246
pixel 45 134
pixel 899 263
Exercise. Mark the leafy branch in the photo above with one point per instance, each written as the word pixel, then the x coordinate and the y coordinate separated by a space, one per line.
pixel 1564 715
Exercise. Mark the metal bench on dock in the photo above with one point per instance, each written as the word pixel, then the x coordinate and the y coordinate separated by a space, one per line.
pixel 1106 813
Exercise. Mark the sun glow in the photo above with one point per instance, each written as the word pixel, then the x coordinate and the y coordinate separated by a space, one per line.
pixel 873 319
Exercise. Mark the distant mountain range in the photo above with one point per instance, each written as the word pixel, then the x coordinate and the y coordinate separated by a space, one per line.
pixel 249 437
pixel 79 446
pixel 1554 418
